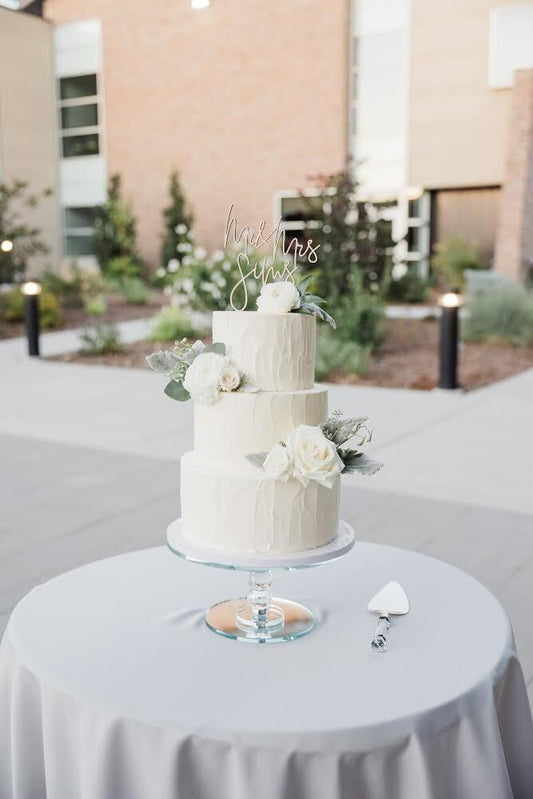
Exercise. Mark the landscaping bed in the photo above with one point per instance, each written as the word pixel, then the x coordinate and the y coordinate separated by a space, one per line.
pixel 407 359
pixel 117 311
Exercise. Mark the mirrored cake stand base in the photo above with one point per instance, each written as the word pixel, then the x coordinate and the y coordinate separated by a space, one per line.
pixel 259 617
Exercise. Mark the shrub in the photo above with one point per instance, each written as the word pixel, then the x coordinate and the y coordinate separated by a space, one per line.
pixel 504 315
pixel 177 220
pixel 12 308
pixel 115 235
pixel 410 287
pixel 171 324
pixel 100 339
pixel 360 316
pixel 72 288
pixel 134 291
pixel 332 356
pixel 452 258
pixel 95 306
pixel 15 201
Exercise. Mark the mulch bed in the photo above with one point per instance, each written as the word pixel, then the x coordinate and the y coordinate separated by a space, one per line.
pixel 117 311
pixel 408 359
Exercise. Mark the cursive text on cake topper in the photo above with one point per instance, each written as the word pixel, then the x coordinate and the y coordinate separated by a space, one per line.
pixel 268 268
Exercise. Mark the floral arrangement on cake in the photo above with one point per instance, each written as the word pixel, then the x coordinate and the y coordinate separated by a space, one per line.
pixel 284 296
pixel 198 372
pixel 321 453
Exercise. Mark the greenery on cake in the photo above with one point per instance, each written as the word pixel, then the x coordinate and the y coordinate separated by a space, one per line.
pixel 320 453
pixel 198 372
pixel 286 296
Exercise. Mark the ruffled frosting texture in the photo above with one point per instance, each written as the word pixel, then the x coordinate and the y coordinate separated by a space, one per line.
pixel 276 351
pixel 242 423
pixel 241 509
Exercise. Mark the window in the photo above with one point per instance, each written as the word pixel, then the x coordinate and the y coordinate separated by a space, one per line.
pixel 79 116
pixel 79 227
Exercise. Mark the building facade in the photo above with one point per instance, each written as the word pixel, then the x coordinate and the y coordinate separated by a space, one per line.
pixel 28 134
pixel 251 101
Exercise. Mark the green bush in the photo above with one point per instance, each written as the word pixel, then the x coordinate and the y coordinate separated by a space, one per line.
pixel 171 324
pixel 95 306
pixel 72 289
pixel 333 355
pixel 12 309
pixel 100 339
pixel 452 258
pixel 411 287
pixel 133 290
pixel 503 315
pixel 122 267
pixel 360 316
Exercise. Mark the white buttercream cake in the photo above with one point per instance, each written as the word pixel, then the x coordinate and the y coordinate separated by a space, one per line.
pixel 227 503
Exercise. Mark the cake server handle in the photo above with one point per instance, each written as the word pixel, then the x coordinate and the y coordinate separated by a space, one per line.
pixel 379 642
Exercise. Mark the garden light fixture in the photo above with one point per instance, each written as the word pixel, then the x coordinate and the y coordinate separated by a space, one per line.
pixel 31 291
pixel 448 343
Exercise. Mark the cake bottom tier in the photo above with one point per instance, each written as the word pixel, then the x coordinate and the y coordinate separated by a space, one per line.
pixel 243 510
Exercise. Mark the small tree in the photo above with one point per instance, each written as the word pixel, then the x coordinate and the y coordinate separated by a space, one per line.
pixel 353 235
pixel 115 234
pixel 23 241
pixel 178 220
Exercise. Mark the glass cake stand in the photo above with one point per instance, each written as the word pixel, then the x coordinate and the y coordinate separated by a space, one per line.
pixel 259 617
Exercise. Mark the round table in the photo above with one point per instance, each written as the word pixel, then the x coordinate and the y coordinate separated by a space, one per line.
pixel 112 687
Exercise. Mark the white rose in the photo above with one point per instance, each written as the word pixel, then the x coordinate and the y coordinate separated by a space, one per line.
pixel 173 265
pixel 279 297
pixel 278 463
pixel 202 378
pixel 230 379
pixel 315 456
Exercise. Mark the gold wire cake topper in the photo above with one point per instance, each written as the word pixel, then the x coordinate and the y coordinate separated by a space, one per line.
pixel 267 269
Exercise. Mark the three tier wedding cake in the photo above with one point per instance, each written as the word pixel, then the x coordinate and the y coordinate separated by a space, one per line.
pixel 264 474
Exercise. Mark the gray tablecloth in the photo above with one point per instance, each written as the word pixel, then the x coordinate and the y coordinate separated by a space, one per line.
pixel 111 687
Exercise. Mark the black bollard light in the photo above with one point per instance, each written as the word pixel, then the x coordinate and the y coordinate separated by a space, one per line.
pixel 31 291
pixel 449 335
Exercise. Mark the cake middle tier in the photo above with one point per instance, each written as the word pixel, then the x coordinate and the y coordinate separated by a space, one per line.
pixel 241 423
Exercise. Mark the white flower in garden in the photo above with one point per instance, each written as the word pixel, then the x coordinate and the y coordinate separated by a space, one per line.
pixel 351 217
pixel 186 260
pixel 160 272
pixel 216 294
pixel 184 246
pixel 167 291
pixel 278 463
pixel 279 297
pixel 230 379
pixel 314 456
pixel 187 285
pixel 200 252
pixel 181 229
pixel 218 255
pixel 173 265
pixel 202 378
pixel 226 266
pixel 206 286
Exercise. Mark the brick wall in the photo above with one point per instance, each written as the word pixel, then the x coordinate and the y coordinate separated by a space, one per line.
pixel 514 245
pixel 244 98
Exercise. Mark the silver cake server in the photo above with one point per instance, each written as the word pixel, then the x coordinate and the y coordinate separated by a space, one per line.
pixel 390 601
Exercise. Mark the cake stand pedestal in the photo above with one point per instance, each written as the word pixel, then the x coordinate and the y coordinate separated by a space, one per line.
pixel 259 617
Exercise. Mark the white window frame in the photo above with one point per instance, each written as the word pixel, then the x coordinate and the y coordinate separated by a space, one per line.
pixel 95 99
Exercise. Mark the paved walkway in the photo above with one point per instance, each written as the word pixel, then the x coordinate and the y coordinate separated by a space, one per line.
pixel 90 467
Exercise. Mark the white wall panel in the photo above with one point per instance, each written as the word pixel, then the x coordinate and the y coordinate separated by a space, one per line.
pixel 511 43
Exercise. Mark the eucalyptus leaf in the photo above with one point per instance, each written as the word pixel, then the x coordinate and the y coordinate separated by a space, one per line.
pixel 362 465
pixel 313 309
pixel 162 361
pixel 257 458
pixel 175 391
pixel 217 347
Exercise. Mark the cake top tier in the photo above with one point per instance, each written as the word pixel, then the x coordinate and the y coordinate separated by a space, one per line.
pixel 275 351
